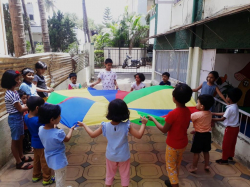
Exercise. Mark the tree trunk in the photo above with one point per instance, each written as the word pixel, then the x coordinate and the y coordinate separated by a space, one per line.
pixel 44 24
pixel 85 22
pixel 29 29
pixel 17 27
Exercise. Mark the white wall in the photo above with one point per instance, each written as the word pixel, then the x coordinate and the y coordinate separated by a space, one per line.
pixel 3 43
pixel 152 30
pixel 216 7
pixel 230 64
pixel 181 13
pixel 164 18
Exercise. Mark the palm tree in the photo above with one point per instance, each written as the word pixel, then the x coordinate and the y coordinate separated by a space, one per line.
pixel 50 5
pixel 29 29
pixel 85 22
pixel 44 24
pixel 16 16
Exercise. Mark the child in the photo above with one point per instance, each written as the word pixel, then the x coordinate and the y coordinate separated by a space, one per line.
pixel 165 78
pixel 73 84
pixel 209 87
pixel 231 122
pixel 52 140
pixel 137 85
pixel 27 137
pixel 10 81
pixel 39 81
pixel 116 132
pixel 202 135
pixel 176 125
pixel 107 76
pixel 27 86
pixel 41 169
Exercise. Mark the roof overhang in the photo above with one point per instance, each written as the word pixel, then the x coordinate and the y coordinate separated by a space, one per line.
pixel 235 11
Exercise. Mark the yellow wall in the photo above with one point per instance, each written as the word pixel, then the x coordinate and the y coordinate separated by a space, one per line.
pixel 244 90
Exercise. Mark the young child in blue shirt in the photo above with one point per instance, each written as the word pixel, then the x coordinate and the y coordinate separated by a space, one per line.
pixel 52 140
pixel 165 78
pixel 41 169
pixel 116 131
pixel 27 86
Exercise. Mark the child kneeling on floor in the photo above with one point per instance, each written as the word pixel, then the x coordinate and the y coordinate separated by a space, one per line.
pixel 176 125
pixel 116 131
pixel 41 169
pixel 202 133
pixel 231 122
pixel 52 140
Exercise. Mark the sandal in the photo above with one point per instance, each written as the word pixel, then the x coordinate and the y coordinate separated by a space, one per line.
pixel 206 168
pixel 20 166
pixel 192 170
pixel 220 161
pixel 29 159
pixel 51 181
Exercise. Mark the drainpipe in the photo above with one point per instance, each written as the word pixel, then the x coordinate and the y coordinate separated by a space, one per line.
pixel 194 15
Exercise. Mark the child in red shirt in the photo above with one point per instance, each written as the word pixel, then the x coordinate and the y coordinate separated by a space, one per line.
pixel 176 125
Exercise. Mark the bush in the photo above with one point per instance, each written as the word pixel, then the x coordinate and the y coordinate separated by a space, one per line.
pixel 99 58
pixel 39 48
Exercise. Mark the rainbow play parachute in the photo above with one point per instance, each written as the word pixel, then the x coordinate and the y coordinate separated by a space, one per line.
pixel 90 105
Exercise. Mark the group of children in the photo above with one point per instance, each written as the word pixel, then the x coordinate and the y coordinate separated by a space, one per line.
pixel 48 141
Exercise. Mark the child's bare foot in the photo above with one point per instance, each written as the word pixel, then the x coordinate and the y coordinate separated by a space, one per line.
pixel 192 169
pixel 206 168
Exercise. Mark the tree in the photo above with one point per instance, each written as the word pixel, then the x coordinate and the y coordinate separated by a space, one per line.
pixel 85 22
pixel 50 5
pixel 29 29
pixel 107 16
pixel 61 32
pixel 45 32
pixel 17 24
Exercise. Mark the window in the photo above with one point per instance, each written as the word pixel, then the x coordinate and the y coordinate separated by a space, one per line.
pixel 31 17
pixel 175 63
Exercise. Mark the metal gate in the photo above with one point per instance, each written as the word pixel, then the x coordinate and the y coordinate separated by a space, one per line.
pixel 118 55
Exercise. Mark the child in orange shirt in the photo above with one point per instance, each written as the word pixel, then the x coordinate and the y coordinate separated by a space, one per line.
pixel 202 134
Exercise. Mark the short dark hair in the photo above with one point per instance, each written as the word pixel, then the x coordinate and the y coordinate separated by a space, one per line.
pixel 182 93
pixel 41 65
pixel 118 111
pixel 141 76
pixel 8 79
pixel 207 101
pixel 166 73
pixel 108 60
pixel 47 112
pixel 234 94
pixel 33 102
pixel 72 75
pixel 21 93
pixel 25 71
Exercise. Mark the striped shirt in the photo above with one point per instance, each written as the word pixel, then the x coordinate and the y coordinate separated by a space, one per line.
pixel 11 97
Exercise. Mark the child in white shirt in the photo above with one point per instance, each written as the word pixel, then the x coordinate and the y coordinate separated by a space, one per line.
pixel 107 77
pixel 137 85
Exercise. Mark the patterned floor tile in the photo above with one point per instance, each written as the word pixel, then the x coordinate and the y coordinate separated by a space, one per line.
pixel 9 184
pixel 149 171
pixel 214 155
pixel 97 158
pixel 101 139
pixel 201 172
pixel 151 183
pixel 187 183
pixel 15 175
pixel 95 172
pixel 158 138
pixel 77 159
pixel 188 157
pixel 145 157
pixel 93 183
pixel 74 172
pixel 160 146
pixel 100 147
pixel 225 170
pixel 80 149
pixel 242 168
pixel 142 147
pixel 154 131
pixel 161 157
pixel 210 182
pixel 83 140
pixel 72 184
pixel 236 182
pixel 117 183
pixel 144 139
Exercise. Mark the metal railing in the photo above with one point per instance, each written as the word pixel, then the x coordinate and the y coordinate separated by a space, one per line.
pixel 243 118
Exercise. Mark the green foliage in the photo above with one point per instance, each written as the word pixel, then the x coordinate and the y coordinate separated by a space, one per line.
pixel 61 32
pixel 39 48
pixel 99 58
pixel 127 31
pixel 73 49
pixel 107 16
pixel 28 46
pixel 50 5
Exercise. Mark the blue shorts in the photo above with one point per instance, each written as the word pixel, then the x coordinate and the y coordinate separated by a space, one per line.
pixel 15 121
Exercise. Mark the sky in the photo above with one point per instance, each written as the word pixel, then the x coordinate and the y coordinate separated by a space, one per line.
pixel 95 8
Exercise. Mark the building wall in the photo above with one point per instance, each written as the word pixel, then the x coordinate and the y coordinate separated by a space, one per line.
pixel 3 43
pixel 215 7
pixel 152 30
pixel 164 17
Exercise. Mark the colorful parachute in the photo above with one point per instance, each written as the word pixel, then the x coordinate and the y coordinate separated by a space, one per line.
pixel 90 105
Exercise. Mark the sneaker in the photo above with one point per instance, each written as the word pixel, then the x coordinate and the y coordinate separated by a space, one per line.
pixel 51 181
pixel 220 161
pixel 230 158
pixel 37 179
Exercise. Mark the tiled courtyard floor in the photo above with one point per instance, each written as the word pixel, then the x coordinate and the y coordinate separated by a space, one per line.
pixel 86 157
